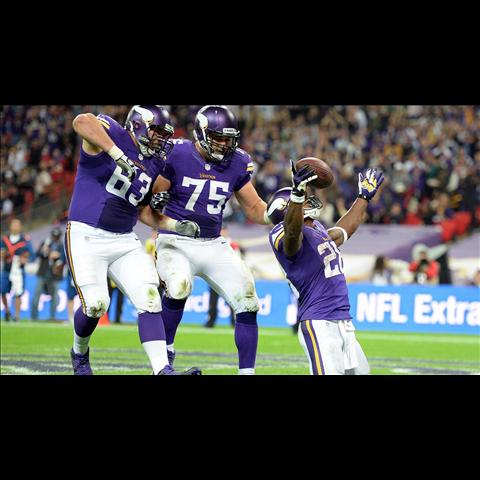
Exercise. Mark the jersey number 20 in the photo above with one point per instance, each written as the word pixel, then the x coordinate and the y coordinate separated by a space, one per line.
pixel 330 259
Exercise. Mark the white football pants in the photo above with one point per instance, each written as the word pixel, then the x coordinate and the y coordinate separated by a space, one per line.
pixel 180 259
pixel 95 254
pixel 332 348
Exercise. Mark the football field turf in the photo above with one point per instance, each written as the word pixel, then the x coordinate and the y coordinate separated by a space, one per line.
pixel 43 349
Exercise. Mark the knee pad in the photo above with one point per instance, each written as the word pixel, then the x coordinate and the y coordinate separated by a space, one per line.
pixel 95 300
pixel 146 299
pixel 247 301
pixel 96 308
pixel 179 287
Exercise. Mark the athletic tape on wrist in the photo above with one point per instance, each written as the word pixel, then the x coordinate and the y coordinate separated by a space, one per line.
pixel 115 153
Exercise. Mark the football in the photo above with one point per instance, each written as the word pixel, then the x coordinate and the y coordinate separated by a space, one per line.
pixel 324 172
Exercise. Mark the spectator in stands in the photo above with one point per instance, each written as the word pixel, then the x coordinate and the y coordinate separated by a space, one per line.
pixel 425 151
pixel 381 273
pixel 475 281
pixel 268 181
pixel 425 270
pixel 50 271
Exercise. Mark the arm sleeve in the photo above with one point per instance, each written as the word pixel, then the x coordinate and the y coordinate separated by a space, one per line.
pixel 246 172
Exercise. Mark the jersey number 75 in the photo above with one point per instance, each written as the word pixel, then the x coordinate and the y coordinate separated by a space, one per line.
pixel 213 193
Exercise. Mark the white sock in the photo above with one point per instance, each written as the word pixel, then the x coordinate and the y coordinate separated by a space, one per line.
pixel 246 371
pixel 157 354
pixel 80 344
pixel 170 348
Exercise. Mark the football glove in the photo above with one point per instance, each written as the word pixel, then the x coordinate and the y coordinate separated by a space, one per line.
pixel 369 184
pixel 188 228
pixel 300 180
pixel 127 166
pixel 159 200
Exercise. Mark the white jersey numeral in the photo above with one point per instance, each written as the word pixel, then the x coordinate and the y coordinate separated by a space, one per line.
pixel 118 179
pixel 119 184
pixel 214 187
pixel 213 194
pixel 199 184
pixel 334 254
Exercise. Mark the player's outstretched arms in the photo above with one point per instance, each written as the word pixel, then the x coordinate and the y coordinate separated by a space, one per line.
pixel 96 140
pixel 294 219
pixel 368 186
pixel 157 220
pixel 253 206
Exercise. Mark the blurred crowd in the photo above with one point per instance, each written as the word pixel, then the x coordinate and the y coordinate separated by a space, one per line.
pixel 430 156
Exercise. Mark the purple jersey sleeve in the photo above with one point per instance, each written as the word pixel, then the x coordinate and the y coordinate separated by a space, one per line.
pixel 103 197
pixel 245 171
pixel 315 274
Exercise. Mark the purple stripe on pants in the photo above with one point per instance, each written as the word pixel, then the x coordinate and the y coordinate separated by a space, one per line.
pixel 312 345
pixel 308 341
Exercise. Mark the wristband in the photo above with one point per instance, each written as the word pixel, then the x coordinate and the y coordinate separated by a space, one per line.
pixel 294 198
pixel 171 224
pixel 345 234
pixel 115 153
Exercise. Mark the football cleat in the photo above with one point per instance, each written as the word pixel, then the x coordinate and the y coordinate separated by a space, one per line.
pixel 168 370
pixel 81 363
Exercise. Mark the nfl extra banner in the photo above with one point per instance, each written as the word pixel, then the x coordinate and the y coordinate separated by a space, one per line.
pixel 409 308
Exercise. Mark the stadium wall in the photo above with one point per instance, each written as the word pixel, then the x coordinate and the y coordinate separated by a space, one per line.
pixel 440 309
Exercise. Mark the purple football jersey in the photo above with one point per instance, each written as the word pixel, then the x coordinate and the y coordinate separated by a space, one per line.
pixel 315 274
pixel 200 189
pixel 103 197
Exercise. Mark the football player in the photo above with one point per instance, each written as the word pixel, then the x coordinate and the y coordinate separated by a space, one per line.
pixel 310 257
pixel 199 179
pixel 117 168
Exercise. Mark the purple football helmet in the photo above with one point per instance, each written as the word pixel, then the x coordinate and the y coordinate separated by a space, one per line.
pixel 278 204
pixel 216 130
pixel 152 128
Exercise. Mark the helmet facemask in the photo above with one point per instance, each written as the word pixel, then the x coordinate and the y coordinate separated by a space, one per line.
pixel 312 208
pixel 152 129
pixel 219 146
pixel 157 141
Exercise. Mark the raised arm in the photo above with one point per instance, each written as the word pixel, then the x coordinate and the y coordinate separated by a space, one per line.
pixel 367 188
pixel 96 140
pixel 294 219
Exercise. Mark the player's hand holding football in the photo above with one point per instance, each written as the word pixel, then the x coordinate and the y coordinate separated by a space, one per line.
pixel 369 183
pixel 159 200
pixel 188 228
pixel 127 166
pixel 300 180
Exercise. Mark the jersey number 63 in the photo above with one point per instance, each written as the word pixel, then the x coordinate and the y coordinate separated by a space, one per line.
pixel 119 185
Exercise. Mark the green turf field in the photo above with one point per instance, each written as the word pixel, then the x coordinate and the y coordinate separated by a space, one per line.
pixel 43 349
